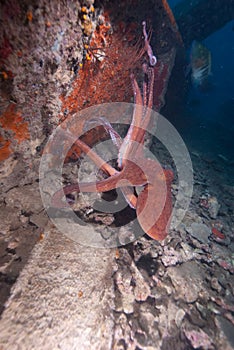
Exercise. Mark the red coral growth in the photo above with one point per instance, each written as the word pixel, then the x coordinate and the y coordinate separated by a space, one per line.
pixel 105 76
pixel 105 79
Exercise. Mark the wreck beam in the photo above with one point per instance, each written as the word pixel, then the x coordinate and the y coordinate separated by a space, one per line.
pixel 197 19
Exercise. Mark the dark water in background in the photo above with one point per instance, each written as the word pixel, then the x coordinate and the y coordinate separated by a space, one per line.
pixel 208 116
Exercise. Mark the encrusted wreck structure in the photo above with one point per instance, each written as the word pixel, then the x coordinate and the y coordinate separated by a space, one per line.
pixel 56 59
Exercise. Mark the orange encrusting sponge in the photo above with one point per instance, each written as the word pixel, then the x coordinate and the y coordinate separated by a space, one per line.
pixel 12 120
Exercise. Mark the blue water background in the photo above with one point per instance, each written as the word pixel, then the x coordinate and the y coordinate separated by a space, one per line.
pixel 209 116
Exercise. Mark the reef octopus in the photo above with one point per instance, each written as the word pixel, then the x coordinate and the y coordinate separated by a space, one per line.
pixel 154 203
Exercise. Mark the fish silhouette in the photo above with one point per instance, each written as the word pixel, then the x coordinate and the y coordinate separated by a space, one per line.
pixel 200 63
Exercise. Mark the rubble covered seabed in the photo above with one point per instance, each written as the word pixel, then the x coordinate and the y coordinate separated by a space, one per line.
pixel 177 294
